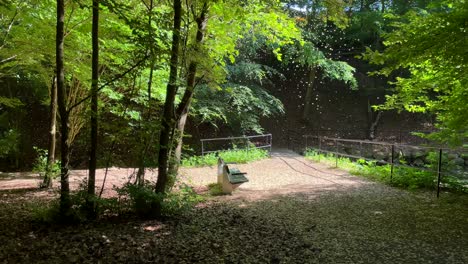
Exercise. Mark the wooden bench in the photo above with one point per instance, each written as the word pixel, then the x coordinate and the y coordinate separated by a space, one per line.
pixel 229 178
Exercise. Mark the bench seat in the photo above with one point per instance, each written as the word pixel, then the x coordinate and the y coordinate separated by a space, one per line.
pixel 229 178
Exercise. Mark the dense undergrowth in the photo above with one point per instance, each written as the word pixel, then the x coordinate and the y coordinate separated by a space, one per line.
pixel 131 200
pixel 405 177
pixel 235 155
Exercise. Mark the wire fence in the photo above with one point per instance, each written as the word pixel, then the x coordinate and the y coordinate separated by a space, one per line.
pixel 388 135
pixel 437 160
pixel 213 145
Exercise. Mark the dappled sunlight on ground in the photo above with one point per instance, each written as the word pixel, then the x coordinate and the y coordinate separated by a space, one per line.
pixel 283 174
pixel 291 211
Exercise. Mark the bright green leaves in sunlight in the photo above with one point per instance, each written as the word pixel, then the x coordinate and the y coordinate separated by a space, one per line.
pixel 310 56
pixel 432 46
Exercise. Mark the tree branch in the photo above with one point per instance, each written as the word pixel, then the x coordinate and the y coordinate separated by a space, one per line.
pixel 7 59
pixel 109 82
pixel 7 32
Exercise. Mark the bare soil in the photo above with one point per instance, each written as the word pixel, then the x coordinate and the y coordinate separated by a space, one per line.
pixel 291 211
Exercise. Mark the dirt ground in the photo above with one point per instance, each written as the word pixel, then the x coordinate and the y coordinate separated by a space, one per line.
pixel 291 211
pixel 285 173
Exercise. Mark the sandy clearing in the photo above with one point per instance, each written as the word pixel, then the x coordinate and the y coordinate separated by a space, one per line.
pixel 285 173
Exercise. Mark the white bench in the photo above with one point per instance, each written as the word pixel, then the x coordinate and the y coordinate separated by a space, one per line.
pixel 229 178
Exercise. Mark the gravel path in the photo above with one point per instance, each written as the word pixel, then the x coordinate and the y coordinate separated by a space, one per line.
pixel 285 173
pixel 291 211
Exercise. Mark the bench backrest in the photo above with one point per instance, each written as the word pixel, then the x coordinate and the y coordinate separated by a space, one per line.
pixel 221 164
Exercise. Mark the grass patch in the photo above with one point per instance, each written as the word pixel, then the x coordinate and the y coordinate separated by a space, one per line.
pixel 409 178
pixel 236 155
pixel 215 189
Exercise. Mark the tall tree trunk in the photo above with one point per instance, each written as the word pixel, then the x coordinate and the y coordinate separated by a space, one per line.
pixel 184 106
pixel 309 94
pixel 94 107
pixel 167 120
pixel 140 177
pixel 62 101
pixel 373 120
pixel 47 183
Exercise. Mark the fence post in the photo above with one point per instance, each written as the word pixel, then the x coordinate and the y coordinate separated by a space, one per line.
pixel 248 144
pixel 439 170
pixel 336 153
pixel 307 145
pixel 393 158
pixel 320 147
pixel 202 149
pixel 271 142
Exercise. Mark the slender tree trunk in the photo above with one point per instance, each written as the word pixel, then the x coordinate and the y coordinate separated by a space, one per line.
pixel 184 106
pixel 309 95
pixel 167 119
pixel 94 107
pixel 373 120
pixel 61 93
pixel 140 177
pixel 47 183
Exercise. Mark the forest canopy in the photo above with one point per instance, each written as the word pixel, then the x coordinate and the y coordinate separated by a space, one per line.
pixel 432 45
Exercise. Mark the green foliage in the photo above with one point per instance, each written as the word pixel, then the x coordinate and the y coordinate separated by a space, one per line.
pixel 180 200
pixel 404 177
pixel 215 189
pixel 235 155
pixel 50 212
pixel 309 55
pixel 431 44
pixel 9 102
pixel 142 199
pixel 40 165
pixel 45 212
pixel 239 106
pixel 9 137
pixel 9 142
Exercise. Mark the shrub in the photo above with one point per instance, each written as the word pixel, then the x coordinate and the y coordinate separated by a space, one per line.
pixel 142 199
pixel 40 165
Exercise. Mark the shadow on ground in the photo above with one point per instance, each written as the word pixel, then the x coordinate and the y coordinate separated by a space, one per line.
pixel 361 225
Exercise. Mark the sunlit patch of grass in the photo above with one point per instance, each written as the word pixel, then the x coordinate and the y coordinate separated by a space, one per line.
pixel 236 156
pixel 410 178
pixel 215 189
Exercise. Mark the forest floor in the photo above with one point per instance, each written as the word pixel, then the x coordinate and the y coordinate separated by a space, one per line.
pixel 291 211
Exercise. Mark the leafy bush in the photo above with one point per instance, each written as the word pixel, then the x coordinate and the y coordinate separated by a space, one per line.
pixel 235 155
pixel 142 199
pixel 9 142
pixel 45 212
pixel 181 200
pixel 40 165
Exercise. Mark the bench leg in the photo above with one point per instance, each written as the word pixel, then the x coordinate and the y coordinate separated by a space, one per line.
pixel 227 186
pixel 220 174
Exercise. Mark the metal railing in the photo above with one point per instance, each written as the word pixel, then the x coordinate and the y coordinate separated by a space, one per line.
pixel 390 135
pixel 247 140
pixel 325 143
